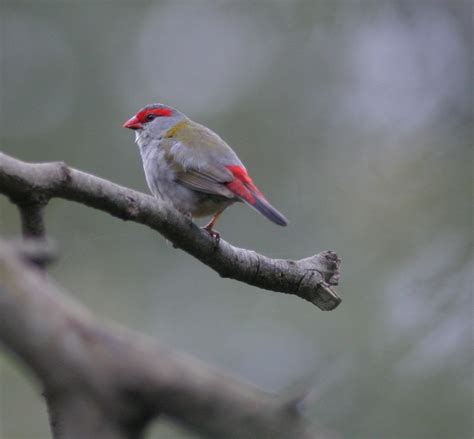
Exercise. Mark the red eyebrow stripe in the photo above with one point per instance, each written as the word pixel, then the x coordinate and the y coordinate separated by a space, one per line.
pixel 160 112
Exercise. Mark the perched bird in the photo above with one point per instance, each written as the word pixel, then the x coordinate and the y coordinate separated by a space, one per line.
pixel 191 166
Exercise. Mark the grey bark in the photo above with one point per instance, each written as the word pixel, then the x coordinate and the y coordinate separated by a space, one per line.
pixel 103 381
pixel 35 184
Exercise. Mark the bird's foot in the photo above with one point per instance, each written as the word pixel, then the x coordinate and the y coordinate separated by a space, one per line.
pixel 213 233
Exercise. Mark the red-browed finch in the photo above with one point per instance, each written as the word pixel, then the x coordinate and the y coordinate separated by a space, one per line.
pixel 192 167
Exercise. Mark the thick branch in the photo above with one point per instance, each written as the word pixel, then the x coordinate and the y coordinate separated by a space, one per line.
pixel 309 278
pixel 108 382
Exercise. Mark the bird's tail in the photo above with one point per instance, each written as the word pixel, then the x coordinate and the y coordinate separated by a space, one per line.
pixel 245 189
pixel 267 210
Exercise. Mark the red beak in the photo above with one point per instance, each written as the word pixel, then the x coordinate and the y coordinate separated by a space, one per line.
pixel 133 123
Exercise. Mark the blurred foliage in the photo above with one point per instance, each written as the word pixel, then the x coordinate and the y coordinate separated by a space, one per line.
pixel 355 117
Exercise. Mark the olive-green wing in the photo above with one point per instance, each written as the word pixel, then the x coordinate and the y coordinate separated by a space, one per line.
pixel 199 158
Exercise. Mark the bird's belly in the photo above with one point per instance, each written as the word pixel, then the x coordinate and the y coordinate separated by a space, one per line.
pixel 196 203
pixel 209 205
pixel 186 200
pixel 162 182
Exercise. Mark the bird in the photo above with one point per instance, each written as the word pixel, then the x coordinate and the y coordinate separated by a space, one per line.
pixel 190 166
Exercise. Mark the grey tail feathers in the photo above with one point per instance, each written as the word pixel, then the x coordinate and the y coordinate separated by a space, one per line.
pixel 267 210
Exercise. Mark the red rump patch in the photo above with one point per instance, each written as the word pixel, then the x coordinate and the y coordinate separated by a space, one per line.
pixel 243 185
pixel 240 172
pixel 158 112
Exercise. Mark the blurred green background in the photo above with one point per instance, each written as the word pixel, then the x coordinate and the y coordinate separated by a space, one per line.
pixel 354 117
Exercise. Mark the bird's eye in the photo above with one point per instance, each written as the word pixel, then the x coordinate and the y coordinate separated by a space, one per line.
pixel 150 117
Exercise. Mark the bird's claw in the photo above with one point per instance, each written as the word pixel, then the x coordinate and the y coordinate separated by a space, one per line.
pixel 213 234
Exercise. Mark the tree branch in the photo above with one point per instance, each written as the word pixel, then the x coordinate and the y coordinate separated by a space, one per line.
pixel 35 184
pixel 32 221
pixel 105 381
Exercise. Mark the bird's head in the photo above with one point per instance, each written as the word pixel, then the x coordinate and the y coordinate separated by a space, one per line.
pixel 154 120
